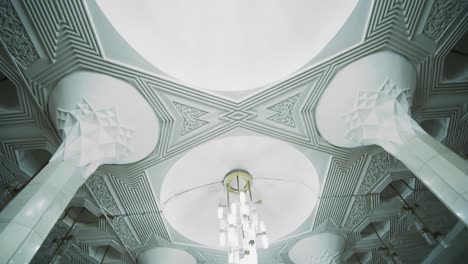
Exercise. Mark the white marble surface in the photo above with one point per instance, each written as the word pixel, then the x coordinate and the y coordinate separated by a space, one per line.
pixel 27 220
pixel 441 170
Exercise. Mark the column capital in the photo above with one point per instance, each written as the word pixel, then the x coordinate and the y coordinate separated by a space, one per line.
pixel 375 109
pixel 381 116
pixel 366 100
pixel 91 136
pixel 84 106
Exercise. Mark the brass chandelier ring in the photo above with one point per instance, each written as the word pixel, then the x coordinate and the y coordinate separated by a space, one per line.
pixel 234 178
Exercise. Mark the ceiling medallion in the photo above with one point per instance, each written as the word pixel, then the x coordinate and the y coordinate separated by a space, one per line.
pixel 238 220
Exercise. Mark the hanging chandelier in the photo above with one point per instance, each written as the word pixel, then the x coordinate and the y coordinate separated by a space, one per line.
pixel 240 227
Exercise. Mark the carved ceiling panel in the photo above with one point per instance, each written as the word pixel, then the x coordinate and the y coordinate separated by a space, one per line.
pixel 42 41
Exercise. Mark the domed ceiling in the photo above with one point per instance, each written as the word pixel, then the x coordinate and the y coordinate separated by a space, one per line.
pixel 284 180
pixel 229 45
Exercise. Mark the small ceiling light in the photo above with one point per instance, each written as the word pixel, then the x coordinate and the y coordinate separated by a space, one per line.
pixel 239 224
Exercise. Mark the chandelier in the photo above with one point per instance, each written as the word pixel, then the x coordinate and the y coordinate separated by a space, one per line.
pixel 239 224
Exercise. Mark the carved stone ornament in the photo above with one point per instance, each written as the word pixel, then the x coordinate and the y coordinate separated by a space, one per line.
pixel 284 111
pixel 14 35
pixel 100 190
pixel 92 137
pixel 124 232
pixel 357 213
pixel 381 117
pixel 379 166
pixel 190 116
pixel 443 13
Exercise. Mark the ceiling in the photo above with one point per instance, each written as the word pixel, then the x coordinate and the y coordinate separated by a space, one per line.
pixel 43 41
pixel 228 45
pixel 276 168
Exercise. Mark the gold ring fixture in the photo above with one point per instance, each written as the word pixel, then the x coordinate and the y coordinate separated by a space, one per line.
pixel 238 180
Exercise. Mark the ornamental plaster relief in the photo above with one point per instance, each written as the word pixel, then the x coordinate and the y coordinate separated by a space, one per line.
pixel 395 16
pixel 14 35
pixel 124 232
pixel 379 166
pixel 191 119
pixel 93 137
pixel 443 13
pixel 99 188
pixel 284 111
pixel 381 117
pixel 94 63
pixel 357 213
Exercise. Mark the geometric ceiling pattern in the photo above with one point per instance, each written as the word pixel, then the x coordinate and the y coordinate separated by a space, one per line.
pixel 42 41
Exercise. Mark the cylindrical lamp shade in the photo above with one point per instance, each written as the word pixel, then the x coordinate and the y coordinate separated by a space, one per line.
pixel 165 255
pixel 324 248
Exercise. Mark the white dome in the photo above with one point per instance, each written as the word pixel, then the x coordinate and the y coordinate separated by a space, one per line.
pixel 228 45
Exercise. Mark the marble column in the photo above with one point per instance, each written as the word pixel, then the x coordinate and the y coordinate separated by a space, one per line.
pixel 93 135
pixel 324 248
pixel 165 255
pixel 368 102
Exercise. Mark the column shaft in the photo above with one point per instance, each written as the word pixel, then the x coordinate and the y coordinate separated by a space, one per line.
pixel 26 221
pixel 440 169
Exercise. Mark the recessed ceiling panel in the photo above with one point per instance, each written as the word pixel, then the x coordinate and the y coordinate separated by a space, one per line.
pixel 283 178
pixel 228 45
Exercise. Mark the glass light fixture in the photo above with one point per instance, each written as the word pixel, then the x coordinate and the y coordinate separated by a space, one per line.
pixel 240 227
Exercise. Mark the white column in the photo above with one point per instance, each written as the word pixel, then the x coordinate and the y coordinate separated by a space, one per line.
pixel 377 112
pixel 165 255
pixel 324 248
pixel 92 135
pixel 91 139
pixel 382 117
